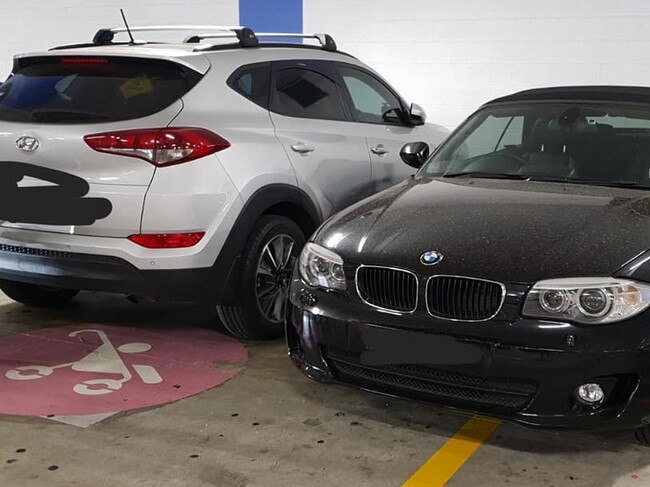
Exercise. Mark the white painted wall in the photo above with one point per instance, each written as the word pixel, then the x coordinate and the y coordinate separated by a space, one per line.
pixel 448 55
pixel 452 55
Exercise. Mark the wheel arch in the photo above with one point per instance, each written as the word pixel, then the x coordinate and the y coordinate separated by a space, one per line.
pixel 274 199
pixel 284 200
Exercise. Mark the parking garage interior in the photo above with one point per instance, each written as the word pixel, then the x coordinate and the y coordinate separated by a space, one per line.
pixel 113 386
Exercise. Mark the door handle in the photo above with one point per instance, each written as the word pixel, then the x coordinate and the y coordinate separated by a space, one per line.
pixel 302 148
pixel 380 150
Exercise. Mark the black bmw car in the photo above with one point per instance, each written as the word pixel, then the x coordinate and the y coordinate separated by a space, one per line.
pixel 510 276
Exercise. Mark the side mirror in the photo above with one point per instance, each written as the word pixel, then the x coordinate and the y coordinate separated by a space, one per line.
pixel 417 115
pixel 415 154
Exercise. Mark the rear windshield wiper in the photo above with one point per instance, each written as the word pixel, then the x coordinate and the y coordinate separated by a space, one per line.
pixel 482 174
pixel 65 115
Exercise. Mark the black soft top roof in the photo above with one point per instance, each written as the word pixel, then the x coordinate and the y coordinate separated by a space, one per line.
pixel 636 94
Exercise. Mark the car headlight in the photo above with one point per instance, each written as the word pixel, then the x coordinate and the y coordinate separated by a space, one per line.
pixel 320 267
pixel 587 300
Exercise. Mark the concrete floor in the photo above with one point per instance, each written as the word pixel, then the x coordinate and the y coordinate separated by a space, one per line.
pixel 269 427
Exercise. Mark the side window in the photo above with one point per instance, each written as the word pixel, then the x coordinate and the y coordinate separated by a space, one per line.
pixel 253 82
pixel 303 93
pixel 373 102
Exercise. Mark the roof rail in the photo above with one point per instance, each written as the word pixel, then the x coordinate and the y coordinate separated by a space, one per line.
pixel 245 35
pixel 326 41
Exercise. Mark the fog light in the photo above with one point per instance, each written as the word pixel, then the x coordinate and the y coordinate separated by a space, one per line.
pixel 591 394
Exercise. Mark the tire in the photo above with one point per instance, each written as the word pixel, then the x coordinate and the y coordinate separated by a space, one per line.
pixel 264 289
pixel 37 296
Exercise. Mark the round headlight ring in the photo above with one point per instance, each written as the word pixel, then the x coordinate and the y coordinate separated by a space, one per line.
pixel 587 298
pixel 338 272
pixel 554 300
pixel 319 266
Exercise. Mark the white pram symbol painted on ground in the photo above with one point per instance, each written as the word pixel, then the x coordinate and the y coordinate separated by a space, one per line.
pixel 104 360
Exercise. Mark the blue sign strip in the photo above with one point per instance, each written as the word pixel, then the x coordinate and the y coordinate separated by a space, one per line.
pixel 272 16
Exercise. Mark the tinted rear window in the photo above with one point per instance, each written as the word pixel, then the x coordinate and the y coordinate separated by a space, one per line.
pixel 91 90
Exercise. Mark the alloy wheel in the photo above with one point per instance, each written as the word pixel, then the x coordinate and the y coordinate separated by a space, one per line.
pixel 274 270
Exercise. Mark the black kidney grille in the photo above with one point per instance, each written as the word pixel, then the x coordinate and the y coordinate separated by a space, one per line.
pixel 388 288
pixel 463 298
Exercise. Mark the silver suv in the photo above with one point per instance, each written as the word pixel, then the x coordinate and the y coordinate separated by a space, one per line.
pixel 189 171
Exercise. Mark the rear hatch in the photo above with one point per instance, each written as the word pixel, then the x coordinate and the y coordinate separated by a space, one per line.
pixel 50 179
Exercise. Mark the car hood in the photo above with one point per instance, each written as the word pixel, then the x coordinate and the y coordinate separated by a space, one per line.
pixel 509 231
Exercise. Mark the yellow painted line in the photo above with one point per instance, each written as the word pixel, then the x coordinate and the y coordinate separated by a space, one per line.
pixel 442 466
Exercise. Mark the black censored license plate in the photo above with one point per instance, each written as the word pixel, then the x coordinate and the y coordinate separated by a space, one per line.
pixel 389 346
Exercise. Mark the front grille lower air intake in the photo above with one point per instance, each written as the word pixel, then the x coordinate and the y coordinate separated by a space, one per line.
pixel 388 288
pixel 464 298
pixel 431 384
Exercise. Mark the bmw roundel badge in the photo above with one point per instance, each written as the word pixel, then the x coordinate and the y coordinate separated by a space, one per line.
pixel 431 257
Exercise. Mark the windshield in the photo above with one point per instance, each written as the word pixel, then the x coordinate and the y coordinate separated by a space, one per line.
pixel 91 89
pixel 587 143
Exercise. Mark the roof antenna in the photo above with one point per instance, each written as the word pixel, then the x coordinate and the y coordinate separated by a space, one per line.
pixel 126 24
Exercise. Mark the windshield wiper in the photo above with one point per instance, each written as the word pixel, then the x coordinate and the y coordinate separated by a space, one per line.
pixel 545 179
pixel 590 182
pixel 482 174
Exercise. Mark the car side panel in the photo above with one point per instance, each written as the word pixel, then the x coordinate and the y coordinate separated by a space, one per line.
pixel 194 197
pixel 329 156
pixel 255 158
pixel 389 169
pixel 337 173
pixel 209 194
pixel 385 140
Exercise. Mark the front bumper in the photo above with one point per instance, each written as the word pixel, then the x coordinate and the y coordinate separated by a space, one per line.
pixel 508 374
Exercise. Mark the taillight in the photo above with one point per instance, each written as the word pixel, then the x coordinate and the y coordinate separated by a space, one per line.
pixel 160 147
pixel 167 240
pixel 84 60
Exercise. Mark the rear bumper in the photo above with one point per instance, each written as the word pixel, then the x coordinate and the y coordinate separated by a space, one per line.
pixel 525 384
pixel 110 274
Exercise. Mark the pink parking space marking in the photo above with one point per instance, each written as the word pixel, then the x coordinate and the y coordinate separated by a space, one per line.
pixel 98 369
